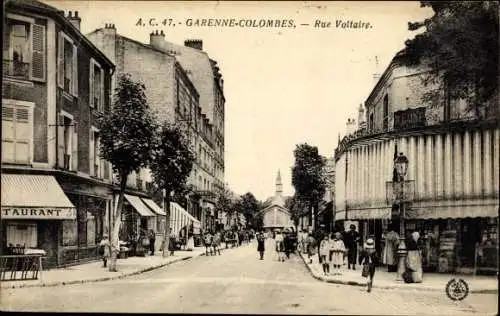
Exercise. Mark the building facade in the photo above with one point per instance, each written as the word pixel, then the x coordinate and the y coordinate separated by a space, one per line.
pixel 452 185
pixel 276 215
pixel 56 191
pixel 181 96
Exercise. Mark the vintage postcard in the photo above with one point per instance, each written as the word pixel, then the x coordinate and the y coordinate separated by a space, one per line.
pixel 253 157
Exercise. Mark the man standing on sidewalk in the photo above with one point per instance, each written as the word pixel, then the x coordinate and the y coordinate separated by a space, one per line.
pixel 351 240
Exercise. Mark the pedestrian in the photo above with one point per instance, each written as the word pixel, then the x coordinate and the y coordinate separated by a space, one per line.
pixel 390 249
pixel 105 249
pixel 152 240
pixel 216 243
pixel 338 251
pixel 351 242
pixel 287 243
pixel 324 253
pixel 260 244
pixel 414 258
pixel 369 259
pixel 208 243
pixel 310 246
pixel 280 247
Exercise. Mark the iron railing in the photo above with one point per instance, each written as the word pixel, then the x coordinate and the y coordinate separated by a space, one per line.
pixel 16 69
pixel 20 267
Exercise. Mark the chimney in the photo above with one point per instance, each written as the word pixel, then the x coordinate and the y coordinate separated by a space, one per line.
pixel 74 19
pixel 361 116
pixel 109 29
pixel 350 126
pixel 157 39
pixel 194 43
pixel 376 75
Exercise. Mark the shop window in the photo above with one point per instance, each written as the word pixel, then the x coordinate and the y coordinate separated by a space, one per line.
pixel 23 48
pixel 69 235
pixel 67 65
pixel 17 133
pixel 22 235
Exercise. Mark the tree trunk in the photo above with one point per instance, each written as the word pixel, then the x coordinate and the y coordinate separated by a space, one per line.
pixel 115 233
pixel 166 236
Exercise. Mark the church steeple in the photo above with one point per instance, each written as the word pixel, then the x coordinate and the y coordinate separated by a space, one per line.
pixel 279 185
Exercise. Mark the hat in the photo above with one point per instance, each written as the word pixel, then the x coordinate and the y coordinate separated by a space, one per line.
pixel 369 244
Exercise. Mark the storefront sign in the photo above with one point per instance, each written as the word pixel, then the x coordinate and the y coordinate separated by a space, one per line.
pixel 38 213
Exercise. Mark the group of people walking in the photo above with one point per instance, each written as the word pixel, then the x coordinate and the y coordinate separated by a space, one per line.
pixel 212 243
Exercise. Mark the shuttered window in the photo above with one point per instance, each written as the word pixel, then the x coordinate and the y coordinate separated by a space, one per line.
pixel 67 65
pixel 38 52
pixel 17 134
pixel 96 79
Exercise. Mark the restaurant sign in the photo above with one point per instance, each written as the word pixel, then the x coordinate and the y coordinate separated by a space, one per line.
pixel 38 213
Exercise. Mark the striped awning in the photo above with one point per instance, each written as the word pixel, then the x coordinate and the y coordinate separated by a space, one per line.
pixel 180 218
pixel 369 213
pixel 153 206
pixel 139 206
pixel 31 196
pixel 454 211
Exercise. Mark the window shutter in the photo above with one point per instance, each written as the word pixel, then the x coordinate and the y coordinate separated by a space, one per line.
pixel 60 61
pixel 101 90
pixel 74 153
pixel 60 141
pixel 38 52
pixel 91 153
pixel 75 71
pixel 91 86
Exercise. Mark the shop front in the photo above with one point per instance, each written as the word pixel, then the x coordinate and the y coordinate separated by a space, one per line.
pixel 462 239
pixel 183 224
pixel 33 210
pixel 137 220
pixel 159 224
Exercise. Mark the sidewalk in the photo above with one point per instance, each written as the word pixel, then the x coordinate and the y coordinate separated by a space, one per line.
pixel 385 280
pixel 94 272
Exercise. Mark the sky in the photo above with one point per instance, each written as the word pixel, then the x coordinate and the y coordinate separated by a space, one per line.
pixel 283 86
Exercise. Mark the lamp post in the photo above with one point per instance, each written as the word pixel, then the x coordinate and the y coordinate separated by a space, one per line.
pixel 401 166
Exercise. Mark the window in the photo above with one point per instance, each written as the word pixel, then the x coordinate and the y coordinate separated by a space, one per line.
pixel 67 142
pixel 17 133
pixel 96 98
pixel 371 123
pixel 386 113
pixel 22 234
pixel 67 56
pixel 96 162
pixel 23 48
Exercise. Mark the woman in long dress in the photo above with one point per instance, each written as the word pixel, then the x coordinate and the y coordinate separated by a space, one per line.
pixel 390 249
pixel 414 258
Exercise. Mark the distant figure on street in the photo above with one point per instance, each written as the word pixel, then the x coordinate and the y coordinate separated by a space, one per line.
pixel 208 243
pixel 414 258
pixel 260 244
pixel 324 253
pixel 389 253
pixel 190 242
pixel 338 251
pixel 152 239
pixel 369 259
pixel 351 242
pixel 311 246
pixel 216 243
pixel 105 249
pixel 280 247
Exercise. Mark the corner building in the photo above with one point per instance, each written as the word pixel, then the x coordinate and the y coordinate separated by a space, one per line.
pixel 452 178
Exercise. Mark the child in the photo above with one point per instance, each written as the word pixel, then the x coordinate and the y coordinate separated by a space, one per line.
pixel 324 253
pixel 338 250
pixel 105 250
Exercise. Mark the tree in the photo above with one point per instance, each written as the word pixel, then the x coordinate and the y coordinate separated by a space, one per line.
pixel 224 203
pixel 248 206
pixel 297 207
pixel 171 165
pixel 126 134
pixel 460 45
pixel 308 177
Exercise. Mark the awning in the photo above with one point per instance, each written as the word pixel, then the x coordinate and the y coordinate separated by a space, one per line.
pixel 369 213
pixel 453 211
pixel 139 206
pixel 28 196
pixel 153 206
pixel 180 218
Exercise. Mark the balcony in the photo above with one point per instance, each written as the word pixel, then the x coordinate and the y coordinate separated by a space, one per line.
pixel 16 69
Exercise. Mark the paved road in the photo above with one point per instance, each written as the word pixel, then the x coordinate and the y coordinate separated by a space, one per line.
pixel 237 282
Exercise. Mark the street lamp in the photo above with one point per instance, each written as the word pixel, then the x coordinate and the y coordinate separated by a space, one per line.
pixel 401 166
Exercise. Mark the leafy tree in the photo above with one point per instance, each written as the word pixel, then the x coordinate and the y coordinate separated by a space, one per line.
pixel 297 207
pixel 224 203
pixel 247 205
pixel 171 165
pixel 308 177
pixel 126 134
pixel 460 45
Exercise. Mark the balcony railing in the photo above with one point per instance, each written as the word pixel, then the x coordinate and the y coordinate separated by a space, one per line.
pixel 16 69
pixel 408 119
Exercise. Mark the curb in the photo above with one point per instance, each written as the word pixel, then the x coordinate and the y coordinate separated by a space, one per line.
pixel 386 287
pixel 102 279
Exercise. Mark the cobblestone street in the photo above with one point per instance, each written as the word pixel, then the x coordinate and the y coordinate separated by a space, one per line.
pixel 237 282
